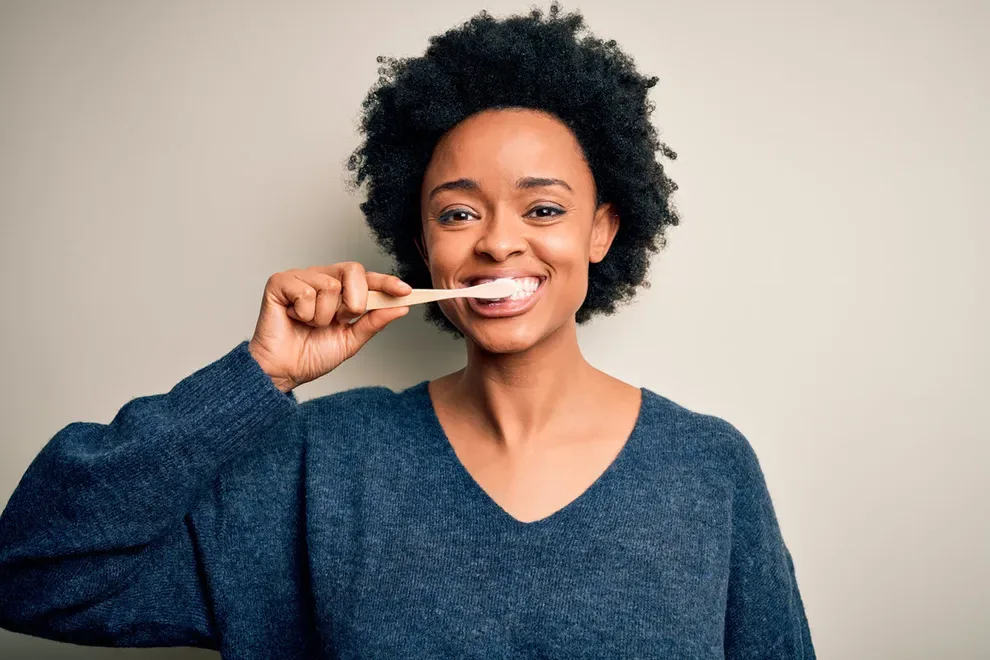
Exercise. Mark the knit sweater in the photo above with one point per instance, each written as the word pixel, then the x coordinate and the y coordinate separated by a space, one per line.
pixel 226 514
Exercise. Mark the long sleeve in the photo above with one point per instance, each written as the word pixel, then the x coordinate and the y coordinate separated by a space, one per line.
pixel 765 616
pixel 96 543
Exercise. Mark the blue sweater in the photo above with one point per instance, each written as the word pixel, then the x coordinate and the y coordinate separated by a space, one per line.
pixel 225 514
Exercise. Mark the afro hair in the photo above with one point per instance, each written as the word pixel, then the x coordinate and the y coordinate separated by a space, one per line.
pixel 536 62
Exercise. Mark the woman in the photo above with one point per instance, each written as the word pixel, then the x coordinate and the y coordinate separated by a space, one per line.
pixel 526 506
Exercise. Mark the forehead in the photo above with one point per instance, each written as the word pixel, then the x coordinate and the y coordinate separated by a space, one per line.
pixel 506 144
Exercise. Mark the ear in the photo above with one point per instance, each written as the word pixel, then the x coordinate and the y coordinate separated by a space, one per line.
pixel 603 229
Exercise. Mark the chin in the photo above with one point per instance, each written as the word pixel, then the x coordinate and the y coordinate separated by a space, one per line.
pixel 502 341
pixel 508 335
pixel 496 335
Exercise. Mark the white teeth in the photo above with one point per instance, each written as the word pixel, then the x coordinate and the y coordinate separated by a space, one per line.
pixel 526 286
pixel 532 282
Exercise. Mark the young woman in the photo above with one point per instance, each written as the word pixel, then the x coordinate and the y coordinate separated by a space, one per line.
pixel 528 505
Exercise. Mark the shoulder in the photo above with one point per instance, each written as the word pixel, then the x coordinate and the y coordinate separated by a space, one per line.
pixel 678 432
pixel 366 404
pixel 361 417
pixel 355 412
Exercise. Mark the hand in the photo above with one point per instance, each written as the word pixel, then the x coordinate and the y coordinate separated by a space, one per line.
pixel 304 328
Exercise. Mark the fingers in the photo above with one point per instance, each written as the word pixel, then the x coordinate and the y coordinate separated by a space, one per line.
pixel 376 281
pixel 369 325
pixel 294 293
pixel 389 284
pixel 310 297
pixel 320 294
pixel 328 292
pixel 354 291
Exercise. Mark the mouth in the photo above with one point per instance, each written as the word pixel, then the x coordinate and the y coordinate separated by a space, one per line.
pixel 530 289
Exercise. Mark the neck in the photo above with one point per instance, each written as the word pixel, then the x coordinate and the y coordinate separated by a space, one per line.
pixel 516 398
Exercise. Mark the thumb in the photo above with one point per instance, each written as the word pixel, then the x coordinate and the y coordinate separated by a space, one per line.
pixel 372 323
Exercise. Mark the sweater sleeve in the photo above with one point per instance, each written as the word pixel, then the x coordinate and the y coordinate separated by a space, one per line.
pixel 96 544
pixel 765 617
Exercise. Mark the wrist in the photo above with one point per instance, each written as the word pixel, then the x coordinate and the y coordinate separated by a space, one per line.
pixel 284 384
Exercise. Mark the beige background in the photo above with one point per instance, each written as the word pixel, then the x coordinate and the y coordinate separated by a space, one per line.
pixel 827 292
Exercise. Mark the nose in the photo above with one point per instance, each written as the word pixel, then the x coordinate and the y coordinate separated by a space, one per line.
pixel 502 236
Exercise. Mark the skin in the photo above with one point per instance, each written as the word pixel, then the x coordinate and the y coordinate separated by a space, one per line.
pixel 529 418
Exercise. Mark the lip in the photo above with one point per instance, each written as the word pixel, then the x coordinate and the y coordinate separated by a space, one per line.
pixel 508 307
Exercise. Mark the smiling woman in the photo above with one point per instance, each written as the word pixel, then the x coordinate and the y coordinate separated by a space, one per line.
pixel 589 116
pixel 488 214
pixel 528 505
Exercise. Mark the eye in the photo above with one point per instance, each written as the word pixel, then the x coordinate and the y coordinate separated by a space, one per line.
pixel 546 212
pixel 454 216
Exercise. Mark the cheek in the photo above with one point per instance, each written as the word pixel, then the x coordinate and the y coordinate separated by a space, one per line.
pixel 447 253
pixel 564 251
pixel 567 254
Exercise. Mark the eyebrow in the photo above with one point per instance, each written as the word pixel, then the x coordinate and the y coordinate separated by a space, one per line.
pixel 524 183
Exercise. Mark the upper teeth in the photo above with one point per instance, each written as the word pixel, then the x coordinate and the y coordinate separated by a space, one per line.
pixel 525 285
pixel 528 282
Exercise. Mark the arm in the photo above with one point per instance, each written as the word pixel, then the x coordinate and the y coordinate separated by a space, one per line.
pixel 765 617
pixel 96 544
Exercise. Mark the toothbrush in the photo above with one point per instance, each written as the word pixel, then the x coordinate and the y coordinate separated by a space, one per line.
pixel 500 288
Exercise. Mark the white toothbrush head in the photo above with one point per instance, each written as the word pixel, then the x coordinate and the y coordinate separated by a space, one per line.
pixel 500 288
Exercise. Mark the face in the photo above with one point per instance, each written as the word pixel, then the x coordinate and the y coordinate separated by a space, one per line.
pixel 508 192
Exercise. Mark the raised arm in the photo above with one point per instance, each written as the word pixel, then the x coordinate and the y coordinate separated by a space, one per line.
pixel 98 542
pixel 96 545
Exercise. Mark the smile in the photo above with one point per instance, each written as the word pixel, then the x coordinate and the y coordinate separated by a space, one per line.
pixel 530 290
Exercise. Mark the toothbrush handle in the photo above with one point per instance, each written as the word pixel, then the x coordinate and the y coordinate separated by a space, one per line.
pixel 380 300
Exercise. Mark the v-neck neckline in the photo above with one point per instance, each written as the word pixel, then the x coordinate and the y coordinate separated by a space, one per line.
pixel 487 505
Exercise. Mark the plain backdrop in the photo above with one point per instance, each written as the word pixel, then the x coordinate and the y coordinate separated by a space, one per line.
pixel 827 291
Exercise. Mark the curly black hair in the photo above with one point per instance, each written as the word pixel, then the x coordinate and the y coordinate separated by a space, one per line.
pixel 529 62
